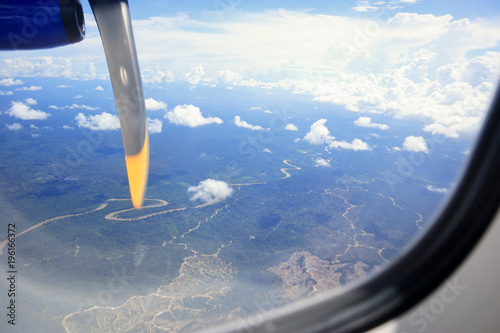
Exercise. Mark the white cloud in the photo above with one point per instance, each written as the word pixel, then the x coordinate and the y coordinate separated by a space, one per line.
pixel 75 106
pixel 30 88
pixel 247 44
pixel 267 150
pixel 436 189
pixel 67 127
pixel 10 82
pixel 412 58
pixel 363 6
pixel 291 127
pixel 34 127
pixel 296 140
pixel 64 86
pixel 23 111
pixel 99 88
pixel 268 111
pixel 321 162
pixel 78 96
pixel 367 122
pixel 318 134
pixel 437 128
pixel 355 145
pixel 190 115
pixel 300 41
pixel 6 93
pixel 99 122
pixel 415 144
pixel 255 108
pixel 154 105
pixel 30 101
pixel 209 190
pixel 195 75
pixel 157 76
pixel 241 123
pixel 228 77
pixel 154 125
pixel 14 126
pixel 420 66
pixel 448 105
pixel 43 66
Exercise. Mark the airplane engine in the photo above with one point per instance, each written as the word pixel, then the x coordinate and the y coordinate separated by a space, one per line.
pixel 39 24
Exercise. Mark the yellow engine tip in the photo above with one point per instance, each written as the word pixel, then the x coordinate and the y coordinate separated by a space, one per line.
pixel 137 170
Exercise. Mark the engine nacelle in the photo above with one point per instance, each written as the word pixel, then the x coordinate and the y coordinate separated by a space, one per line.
pixel 39 24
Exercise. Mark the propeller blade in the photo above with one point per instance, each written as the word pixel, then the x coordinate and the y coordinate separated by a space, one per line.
pixel 115 27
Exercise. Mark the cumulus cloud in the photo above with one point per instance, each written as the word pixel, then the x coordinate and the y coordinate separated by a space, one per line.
pixel 30 101
pixel 6 93
pixel 367 122
pixel 355 145
pixel 241 123
pixel 228 77
pixel 321 162
pixel 437 128
pixel 454 103
pixel 23 110
pixel 14 126
pixel 10 82
pixel 157 76
pixel 99 88
pixel 154 125
pixel 190 115
pixel 318 134
pixel 195 75
pixel 267 150
pixel 99 122
pixel 436 189
pixel 154 105
pixel 415 144
pixel 209 190
pixel 291 127
pixel 44 66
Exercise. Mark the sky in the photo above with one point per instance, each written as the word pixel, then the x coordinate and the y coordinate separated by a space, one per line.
pixel 437 61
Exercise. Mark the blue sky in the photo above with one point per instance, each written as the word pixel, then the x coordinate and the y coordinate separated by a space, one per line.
pixel 197 8
pixel 433 60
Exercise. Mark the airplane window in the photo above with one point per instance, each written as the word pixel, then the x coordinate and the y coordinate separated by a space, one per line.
pixel 295 148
